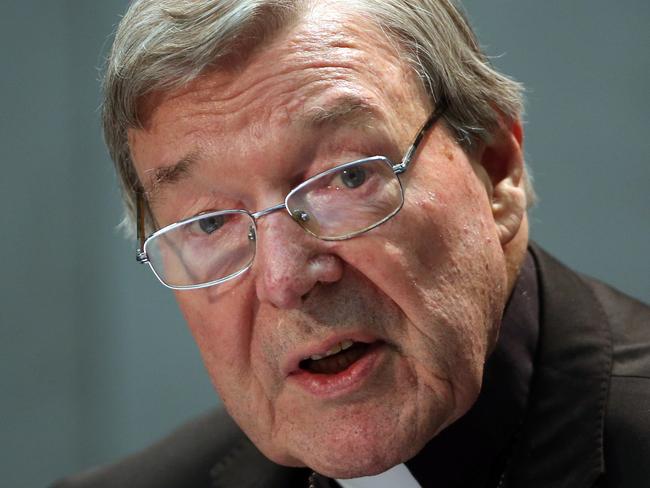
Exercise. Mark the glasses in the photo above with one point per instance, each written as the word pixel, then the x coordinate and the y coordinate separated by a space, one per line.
pixel 337 204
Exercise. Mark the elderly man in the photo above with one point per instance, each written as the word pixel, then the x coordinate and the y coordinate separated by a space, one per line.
pixel 337 194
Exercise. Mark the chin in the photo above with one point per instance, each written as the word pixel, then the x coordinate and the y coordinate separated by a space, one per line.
pixel 355 463
pixel 364 447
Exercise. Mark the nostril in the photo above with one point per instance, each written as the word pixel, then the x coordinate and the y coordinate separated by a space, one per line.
pixel 306 296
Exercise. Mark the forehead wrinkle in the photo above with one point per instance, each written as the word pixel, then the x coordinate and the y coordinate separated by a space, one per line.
pixel 313 77
pixel 300 50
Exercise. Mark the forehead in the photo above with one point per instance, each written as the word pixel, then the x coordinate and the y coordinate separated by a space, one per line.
pixel 325 49
pixel 329 62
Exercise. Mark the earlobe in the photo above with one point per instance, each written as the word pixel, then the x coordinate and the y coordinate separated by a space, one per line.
pixel 502 160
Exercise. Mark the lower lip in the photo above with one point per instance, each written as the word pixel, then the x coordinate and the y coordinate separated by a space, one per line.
pixel 345 382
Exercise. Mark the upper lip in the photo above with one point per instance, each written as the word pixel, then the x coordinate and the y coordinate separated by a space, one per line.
pixel 292 363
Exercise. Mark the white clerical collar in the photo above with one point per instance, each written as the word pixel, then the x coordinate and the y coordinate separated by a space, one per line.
pixel 396 476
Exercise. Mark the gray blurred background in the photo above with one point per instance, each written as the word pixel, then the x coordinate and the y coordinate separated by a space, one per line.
pixel 95 361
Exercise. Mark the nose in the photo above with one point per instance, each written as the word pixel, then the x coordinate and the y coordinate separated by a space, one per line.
pixel 289 262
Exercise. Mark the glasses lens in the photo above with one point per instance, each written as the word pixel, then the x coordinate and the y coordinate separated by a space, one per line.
pixel 347 200
pixel 202 250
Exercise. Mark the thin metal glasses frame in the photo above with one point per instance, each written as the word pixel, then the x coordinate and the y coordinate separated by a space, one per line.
pixel 398 169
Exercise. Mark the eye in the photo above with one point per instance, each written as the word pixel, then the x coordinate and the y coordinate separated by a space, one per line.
pixel 211 224
pixel 353 177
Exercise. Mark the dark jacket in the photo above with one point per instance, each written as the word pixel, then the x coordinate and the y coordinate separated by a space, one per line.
pixel 587 424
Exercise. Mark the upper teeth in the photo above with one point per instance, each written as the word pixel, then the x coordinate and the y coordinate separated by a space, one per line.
pixel 341 346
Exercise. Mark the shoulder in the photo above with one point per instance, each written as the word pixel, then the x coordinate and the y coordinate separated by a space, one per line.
pixel 183 458
pixel 627 423
pixel 206 452
pixel 619 337
pixel 629 321
pixel 623 319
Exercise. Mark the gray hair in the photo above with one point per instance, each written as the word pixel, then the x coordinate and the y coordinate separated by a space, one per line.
pixel 161 45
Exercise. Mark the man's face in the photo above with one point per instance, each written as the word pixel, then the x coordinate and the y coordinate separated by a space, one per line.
pixel 420 296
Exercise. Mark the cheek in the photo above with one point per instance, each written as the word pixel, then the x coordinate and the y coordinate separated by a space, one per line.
pixel 221 321
pixel 441 263
pixel 220 325
pixel 451 207
pixel 443 240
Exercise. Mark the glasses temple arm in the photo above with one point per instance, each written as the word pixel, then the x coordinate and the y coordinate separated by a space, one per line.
pixel 141 256
pixel 410 153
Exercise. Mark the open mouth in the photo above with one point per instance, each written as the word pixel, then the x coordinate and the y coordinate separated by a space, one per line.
pixel 339 369
pixel 337 359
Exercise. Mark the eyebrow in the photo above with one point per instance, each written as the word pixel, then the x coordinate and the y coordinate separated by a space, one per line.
pixel 166 176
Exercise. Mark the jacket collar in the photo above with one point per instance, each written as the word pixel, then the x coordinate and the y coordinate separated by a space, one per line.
pixel 561 443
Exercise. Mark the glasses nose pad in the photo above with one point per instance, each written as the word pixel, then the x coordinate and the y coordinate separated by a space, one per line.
pixel 252 236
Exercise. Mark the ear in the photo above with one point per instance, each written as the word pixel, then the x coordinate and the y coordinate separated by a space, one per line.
pixel 501 158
